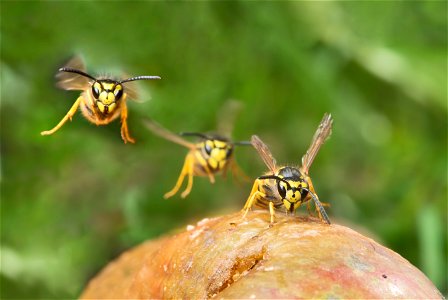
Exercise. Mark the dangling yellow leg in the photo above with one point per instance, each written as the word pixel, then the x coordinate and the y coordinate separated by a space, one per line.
pixel 124 123
pixel 186 169
pixel 189 184
pixel 69 115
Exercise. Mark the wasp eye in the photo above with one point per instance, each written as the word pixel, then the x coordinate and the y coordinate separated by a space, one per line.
pixel 303 193
pixel 118 92
pixel 96 89
pixel 208 148
pixel 229 152
pixel 281 189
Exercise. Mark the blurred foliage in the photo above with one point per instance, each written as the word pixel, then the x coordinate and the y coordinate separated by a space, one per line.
pixel 73 201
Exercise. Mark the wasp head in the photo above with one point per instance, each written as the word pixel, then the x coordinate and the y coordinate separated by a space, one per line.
pixel 107 94
pixel 217 152
pixel 292 187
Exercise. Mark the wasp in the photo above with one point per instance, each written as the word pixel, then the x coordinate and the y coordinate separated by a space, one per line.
pixel 288 186
pixel 212 154
pixel 103 99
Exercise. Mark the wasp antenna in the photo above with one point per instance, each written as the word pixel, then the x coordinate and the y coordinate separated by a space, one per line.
pixel 198 134
pixel 140 78
pixel 79 72
pixel 242 143
pixel 319 205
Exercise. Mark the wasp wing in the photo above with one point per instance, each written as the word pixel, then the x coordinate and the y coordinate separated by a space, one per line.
pixel 264 153
pixel 159 130
pixel 321 135
pixel 130 88
pixel 73 81
pixel 227 116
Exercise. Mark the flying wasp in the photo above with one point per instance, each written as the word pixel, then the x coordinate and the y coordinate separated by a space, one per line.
pixel 288 186
pixel 212 154
pixel 102 100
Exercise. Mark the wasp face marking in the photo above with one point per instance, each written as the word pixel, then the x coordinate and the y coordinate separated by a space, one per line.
pixel 295 192
pixel 107 93
pixel 216 152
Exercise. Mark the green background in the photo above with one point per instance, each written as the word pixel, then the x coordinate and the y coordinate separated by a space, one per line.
pixel 73 201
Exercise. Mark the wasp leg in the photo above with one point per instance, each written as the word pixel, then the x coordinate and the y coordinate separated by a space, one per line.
pixel 186 169
pixel 271 211
pixel 211 177
pixel 124 123
pixel 190 180
pixel 69 115
pixel 254 193
pixel 251 201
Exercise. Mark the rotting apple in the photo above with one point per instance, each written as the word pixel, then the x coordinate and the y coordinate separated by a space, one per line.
pixel 231 257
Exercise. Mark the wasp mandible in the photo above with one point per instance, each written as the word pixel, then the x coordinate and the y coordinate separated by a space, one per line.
pixel 211 155
pixel 102 100
pixel 288 186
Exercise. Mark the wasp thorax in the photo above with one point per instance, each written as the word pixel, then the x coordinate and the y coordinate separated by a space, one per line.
pixel 217 152
pixel 290 173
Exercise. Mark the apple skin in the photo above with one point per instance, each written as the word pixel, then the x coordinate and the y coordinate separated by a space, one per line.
pixel 231 257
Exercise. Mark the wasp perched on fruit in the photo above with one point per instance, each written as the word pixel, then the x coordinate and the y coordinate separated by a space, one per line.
pixel 288 186
pixel 211 155
pixel 102 100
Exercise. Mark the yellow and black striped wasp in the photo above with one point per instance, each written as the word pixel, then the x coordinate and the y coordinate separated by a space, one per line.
pixel 211 155
pixel 287 186
pixel 102 100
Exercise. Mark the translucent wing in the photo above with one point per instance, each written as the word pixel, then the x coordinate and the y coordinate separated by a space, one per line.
pixel 157 129
pixel 321 135
pixel 264 153
pixel 130 88
pixel 226 117
pixel 73 81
